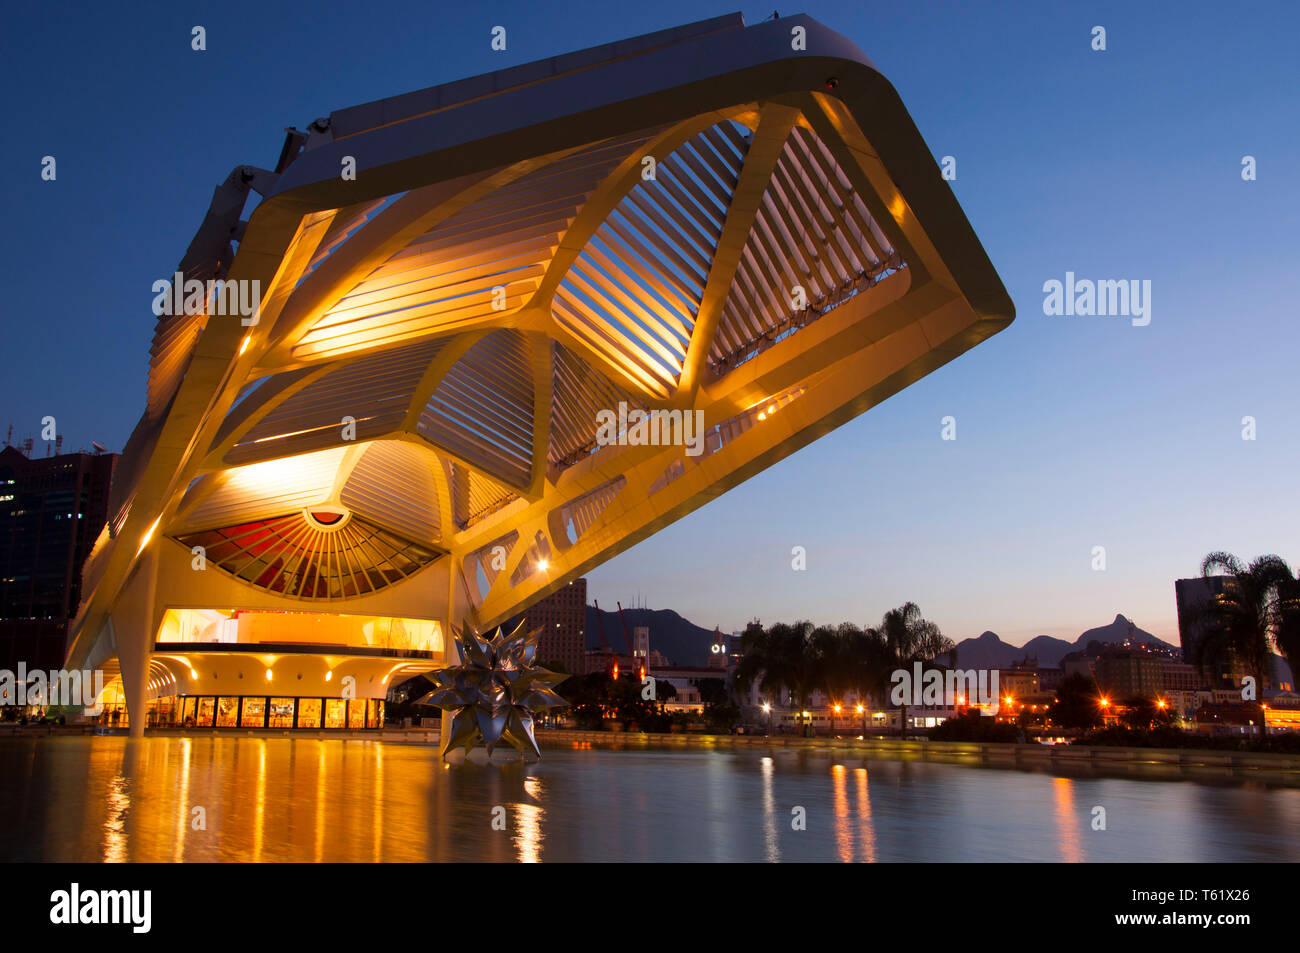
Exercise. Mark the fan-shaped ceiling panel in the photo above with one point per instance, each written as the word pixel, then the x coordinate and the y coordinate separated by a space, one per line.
pixel 313 556
pixel 634 292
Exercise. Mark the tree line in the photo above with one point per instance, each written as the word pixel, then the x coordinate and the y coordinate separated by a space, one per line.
pixel 795 660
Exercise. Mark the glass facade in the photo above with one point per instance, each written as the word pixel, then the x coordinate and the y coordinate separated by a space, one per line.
pixel 255 711
pixel 280 714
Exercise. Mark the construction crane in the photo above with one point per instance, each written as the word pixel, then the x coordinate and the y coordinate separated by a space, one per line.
pixel 627 639
pixel 604 645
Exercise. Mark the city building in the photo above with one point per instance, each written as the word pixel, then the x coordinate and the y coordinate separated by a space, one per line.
pixel 1192 596
pixel 562 617
pixel 1129 672
pixel 1049 679
pixel 686 682
pixel 51 511
pixel 557 308
pixel 1020 680
pixel 1180 677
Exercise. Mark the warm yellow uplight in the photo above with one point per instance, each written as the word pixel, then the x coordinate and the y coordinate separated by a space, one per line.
pixel 542 564
pixel 329 675
pixel 269 676
pixel 147 536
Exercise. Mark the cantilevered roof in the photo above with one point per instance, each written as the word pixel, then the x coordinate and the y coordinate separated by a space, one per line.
pixel 741 221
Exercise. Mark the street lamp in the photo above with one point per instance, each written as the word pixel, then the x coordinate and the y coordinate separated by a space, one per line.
pixel 835 722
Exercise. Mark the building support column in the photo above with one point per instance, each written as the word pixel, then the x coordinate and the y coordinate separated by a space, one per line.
pixel 133 623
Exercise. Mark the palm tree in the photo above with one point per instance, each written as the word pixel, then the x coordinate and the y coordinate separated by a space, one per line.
pixel 842 653
pixel 758 662
pixel 903 638
pixel 783 658
pixel 1255 610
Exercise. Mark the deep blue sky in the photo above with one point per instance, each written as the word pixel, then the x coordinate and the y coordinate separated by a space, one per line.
pixel 1073 432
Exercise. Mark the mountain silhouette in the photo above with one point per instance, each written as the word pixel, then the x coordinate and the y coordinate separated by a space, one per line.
pixel 681 641
pixel 987 650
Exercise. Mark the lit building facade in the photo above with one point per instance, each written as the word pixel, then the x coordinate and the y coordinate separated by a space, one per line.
pixel 728 243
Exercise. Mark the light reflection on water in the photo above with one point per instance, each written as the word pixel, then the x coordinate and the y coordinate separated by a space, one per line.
pixel 113 799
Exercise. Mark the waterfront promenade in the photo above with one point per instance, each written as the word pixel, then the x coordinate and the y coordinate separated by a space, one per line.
pixel 1154 763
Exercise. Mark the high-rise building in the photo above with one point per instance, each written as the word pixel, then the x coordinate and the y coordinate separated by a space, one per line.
pixel 562 617
pixel 1192 596
pixel 51 511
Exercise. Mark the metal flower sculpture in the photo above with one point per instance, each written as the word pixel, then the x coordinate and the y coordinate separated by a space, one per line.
pixel 495 691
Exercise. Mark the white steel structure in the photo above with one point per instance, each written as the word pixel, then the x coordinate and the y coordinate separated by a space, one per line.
pixel 736 220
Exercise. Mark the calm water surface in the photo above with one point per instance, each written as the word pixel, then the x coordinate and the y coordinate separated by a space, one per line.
pixel 114 799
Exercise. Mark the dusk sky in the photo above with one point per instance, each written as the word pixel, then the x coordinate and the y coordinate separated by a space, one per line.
pixel 1072 432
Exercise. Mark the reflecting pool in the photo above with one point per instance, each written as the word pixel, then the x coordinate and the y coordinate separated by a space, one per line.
pixel 222 798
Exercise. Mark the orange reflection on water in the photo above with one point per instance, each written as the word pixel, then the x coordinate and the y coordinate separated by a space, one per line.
pixel 528 824
pixel 1063 798
pixel 260 801
pixel 866 828
pixel 119 803
pixel 319 824
pixel 378 803
pixel 183 815
pixel 843 830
